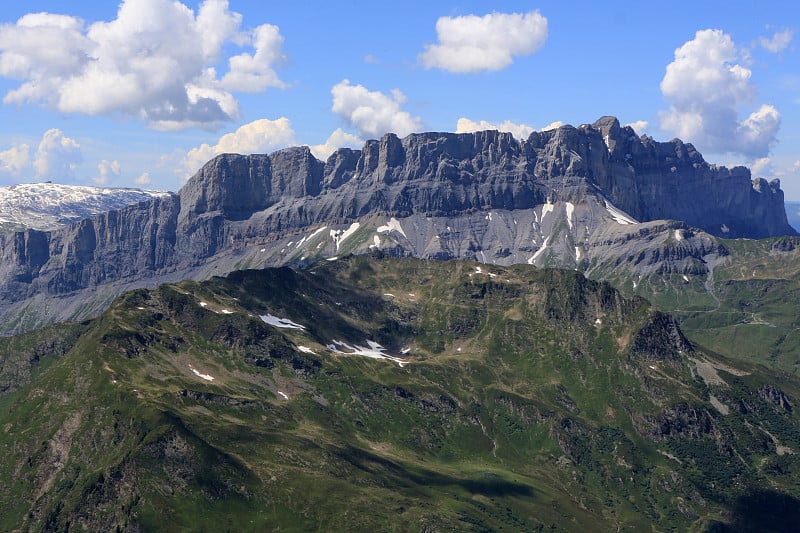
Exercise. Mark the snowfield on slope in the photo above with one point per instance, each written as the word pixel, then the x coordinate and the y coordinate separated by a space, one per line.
pixel 373 351
pixel 44 206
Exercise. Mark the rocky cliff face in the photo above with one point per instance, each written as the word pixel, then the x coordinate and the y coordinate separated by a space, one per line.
pixel 551 199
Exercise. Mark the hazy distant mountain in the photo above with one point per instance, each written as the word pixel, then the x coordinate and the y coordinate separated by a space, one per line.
pixel 46 206
pixel 793 214
pixel 592 198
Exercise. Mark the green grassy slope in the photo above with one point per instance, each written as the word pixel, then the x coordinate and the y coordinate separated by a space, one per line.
pixel 754 314
pixel 526 400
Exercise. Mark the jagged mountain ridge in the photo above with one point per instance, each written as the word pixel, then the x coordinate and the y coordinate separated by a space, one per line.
pixel 558 198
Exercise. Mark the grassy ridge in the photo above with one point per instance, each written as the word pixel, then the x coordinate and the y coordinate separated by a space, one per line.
pixel 529 400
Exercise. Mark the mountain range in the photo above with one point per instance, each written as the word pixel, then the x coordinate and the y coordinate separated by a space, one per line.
pixel 435 333
pixel 595 197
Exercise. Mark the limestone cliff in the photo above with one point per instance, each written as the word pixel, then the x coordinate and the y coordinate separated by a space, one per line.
pixel 553 199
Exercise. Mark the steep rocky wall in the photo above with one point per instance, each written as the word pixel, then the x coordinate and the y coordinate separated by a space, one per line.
pixel 234 200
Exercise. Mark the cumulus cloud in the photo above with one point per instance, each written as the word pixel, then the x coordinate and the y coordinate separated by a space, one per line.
pixel 553 125
pixel 373 113
pixel 106 170
pixel 760 166
pixel 520 131
pixel 639 126
pixel 786 170
pixel 473 44
pixel 57 156
pixel 156 61
pixel 260 136
pixel 778 42
pixel 143 180
pixel 706 90
pixel 338 139
pixel 254 72
pixel 15 160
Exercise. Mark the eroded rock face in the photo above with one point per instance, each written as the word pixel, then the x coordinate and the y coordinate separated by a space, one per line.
pixel 238 202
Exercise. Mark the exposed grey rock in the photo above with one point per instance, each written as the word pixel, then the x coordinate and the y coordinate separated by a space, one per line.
pixel 565 197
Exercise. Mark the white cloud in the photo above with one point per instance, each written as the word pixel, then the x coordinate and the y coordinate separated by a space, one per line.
pixel 155 61
pixel 144 179
pixel 337 139
pixel 553 125
pixel 57 156
pixel 106 170
pixel 706 90
pixel 373 113
pixel 260 136
pixel 520 131
pixel 639 126
pixel 253 72
pixel 15 160
pixel 778 42
pixel 761 165
pixel 473 44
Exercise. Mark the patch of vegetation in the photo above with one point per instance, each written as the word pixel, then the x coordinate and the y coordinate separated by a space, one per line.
pixel 526 400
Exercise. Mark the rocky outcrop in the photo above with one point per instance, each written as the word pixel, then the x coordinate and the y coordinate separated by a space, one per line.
pixel 447 186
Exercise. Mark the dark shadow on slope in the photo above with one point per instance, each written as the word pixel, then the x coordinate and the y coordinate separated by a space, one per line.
pixel 392 473
pixel 764 511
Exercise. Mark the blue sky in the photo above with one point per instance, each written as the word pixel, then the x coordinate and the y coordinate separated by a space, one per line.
pixel 142 93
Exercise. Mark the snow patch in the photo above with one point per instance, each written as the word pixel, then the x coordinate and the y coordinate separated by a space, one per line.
pixel 539 252
pixel 678 235
pixel 339 236
pixel 685 277
pixel 227 312
pixel 285 397
pixel 376 242
pixel 280 322
pixel 478 270
pixel 389 294
pixel 206 377
pixel 317 232
pixel 373 350
pixel 306 349
pixel 392 225
pixel 577 253
pixel 619 216
pixel 547 208
pixel 570 212
pixel 334 258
